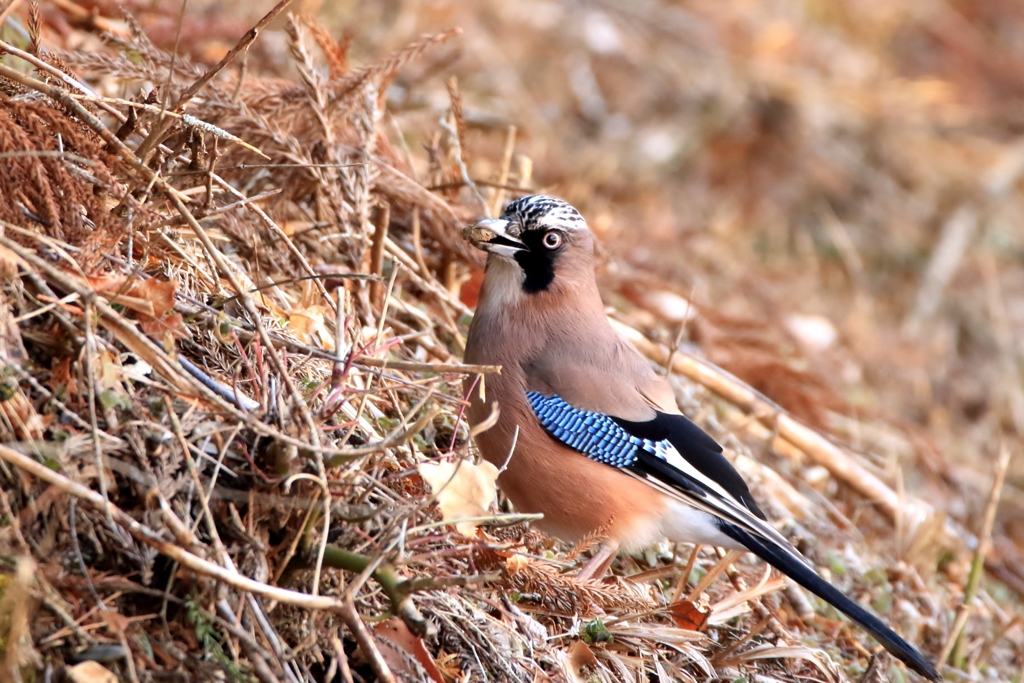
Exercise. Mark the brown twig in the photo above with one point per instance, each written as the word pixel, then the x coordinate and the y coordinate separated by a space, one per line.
pixel 365 639
pixel 380 233
pixel 684 575
pixel 342 659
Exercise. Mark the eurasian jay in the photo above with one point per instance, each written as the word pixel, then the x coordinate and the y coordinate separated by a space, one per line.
pixel 587 433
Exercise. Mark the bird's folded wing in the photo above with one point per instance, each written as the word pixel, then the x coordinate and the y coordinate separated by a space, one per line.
pixel 670 453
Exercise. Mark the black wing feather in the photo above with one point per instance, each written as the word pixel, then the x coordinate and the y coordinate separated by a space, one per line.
pixel 698 448
pixel 806 577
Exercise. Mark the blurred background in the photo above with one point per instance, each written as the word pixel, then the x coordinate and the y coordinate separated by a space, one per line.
pixel 823 197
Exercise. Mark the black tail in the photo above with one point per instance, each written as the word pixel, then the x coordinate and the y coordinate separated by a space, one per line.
pixel 806 577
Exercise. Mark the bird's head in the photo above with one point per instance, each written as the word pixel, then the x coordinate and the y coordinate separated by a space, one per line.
pixel 541 238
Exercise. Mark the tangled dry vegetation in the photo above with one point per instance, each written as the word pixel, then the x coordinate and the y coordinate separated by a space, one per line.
pixel 230 350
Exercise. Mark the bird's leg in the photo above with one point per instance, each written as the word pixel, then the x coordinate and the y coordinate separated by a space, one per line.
pixel 597 566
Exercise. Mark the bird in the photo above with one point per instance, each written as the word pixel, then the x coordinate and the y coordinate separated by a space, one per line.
pixel 587 433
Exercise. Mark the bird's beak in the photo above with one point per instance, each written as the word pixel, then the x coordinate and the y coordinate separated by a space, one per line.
pixel 491 235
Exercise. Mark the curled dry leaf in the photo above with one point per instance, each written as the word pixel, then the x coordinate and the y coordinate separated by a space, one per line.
pixel 463 490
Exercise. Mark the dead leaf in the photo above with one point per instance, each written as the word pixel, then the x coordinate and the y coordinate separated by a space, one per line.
pixel 404 652
pixel 308 324
pixel 150 296
pixel 689 615
pixel 150 300
pixel 91 672
pixel 157 292
pixel 463 490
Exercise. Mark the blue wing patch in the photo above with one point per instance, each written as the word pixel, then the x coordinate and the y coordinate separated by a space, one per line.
pixel 595 435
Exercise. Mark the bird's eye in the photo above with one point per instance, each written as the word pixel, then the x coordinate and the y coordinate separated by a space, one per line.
pixel 553 240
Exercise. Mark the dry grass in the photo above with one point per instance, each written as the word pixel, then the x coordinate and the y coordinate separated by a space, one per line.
pixel 231 321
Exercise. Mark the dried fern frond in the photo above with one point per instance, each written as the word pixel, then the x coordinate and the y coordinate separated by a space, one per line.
pixel 565 594
pixel 57 176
